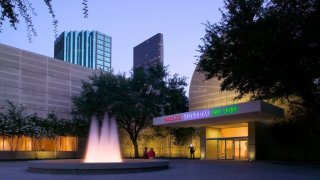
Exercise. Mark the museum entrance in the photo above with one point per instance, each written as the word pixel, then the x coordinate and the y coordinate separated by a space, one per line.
pixel 227 148
pixel 241 149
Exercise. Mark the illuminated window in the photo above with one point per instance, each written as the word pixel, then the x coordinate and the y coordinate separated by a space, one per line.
pixel 63 143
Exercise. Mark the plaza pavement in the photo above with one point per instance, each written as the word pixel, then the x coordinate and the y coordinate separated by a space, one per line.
pixel 183 169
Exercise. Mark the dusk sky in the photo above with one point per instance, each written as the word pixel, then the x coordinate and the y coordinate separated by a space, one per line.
pixel 128 23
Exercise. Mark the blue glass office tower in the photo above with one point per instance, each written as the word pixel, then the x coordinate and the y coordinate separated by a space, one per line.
pixel 90 49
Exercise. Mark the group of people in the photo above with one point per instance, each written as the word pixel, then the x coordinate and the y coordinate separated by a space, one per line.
pixel 149 155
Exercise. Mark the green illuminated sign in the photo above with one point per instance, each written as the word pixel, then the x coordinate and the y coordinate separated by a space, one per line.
pixel 232 109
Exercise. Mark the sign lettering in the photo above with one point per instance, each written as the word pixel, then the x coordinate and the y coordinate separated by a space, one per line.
pixel 196 115
pixel 224 110
pixel 172 118
pixel 200 114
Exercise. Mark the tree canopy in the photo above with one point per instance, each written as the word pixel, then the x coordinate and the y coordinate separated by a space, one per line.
pixel 134 101
pixel 15 10
pixel 15 122
pixel 266 49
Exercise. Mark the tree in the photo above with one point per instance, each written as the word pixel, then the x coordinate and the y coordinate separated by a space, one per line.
pixel 134 101
pixel 102 94
pixel 177 103
pixel 183 136
pixel 266 49
pixel 16 123
pixel 176 95
pixel 57 128
pixel 146 99
pixel 12 9
pixel 78 127
pixel 13 122
pixel 34 129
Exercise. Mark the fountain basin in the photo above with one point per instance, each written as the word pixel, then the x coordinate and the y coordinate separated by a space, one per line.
pixel 76 166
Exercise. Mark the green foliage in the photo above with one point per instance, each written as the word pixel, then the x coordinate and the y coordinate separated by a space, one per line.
pixel 183 136
pixel 161 131
pixel 296 132
pixel 54 126
pixel 34 127
pixel 78 127
pixel 15 122
pixel 12 9
pixel 266 49
pixel 178 101
pixel 134 101
pixel 98 96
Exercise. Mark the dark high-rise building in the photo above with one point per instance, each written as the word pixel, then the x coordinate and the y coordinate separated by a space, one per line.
pixel 149 52
pixel 90 49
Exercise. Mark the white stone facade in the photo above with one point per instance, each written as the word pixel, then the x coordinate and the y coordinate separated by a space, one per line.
pixel 40 83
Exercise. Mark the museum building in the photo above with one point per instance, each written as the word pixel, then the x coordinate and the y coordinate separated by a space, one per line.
pixel 229 129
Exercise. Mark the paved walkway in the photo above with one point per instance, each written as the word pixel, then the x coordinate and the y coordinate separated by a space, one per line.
pixel 183 169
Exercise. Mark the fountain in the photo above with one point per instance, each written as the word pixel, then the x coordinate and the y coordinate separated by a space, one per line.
pixel 103 146
pixel 102 155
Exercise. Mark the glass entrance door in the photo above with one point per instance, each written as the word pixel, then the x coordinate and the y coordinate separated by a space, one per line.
pixel 212 149
pixel 228 149
pixel 241 149
pixel 221 149
pixel 225 149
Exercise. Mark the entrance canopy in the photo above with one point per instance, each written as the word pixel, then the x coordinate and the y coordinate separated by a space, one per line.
pixel 230 114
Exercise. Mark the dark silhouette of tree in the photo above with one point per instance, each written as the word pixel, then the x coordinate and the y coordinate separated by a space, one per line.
pixel 178 104
pixel 15 10
pixel 176 95
pixel 267 49
pixel 183 136
pixel 134 101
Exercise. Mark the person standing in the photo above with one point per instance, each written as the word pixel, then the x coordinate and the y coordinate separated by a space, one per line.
pixel 145 153
pixel 192 150
pixel 151 154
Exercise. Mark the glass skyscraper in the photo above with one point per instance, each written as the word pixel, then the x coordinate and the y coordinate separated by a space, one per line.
pixel 91 49
pixel 149 52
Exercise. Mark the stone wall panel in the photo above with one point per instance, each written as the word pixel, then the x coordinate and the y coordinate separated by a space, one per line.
pixel 40 83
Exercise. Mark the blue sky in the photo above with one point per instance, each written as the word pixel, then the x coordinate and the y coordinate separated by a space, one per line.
pixel 129 23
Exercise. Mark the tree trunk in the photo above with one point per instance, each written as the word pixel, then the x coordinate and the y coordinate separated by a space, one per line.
pixel 18 144
pixel 170 146
pixel 134 140
pixel 11 145
pixel 136 148
pixel 57 143
pixel 3 142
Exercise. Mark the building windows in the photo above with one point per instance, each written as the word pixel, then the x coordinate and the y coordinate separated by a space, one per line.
pixel 84 48
pixel 149 52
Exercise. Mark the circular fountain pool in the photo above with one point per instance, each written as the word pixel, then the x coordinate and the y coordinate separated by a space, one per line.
pixel 102 156
pixel 77 166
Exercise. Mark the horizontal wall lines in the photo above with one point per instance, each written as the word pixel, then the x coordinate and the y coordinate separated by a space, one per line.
pixel 40 83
